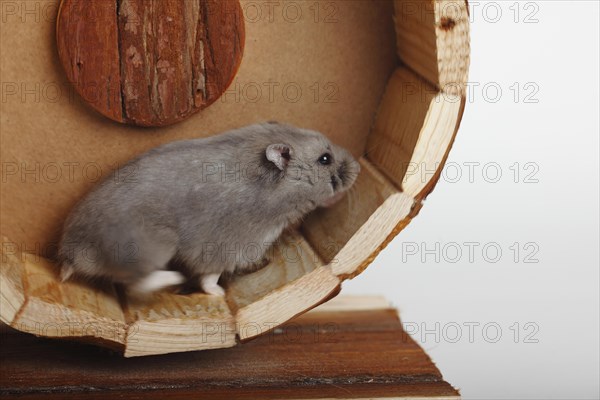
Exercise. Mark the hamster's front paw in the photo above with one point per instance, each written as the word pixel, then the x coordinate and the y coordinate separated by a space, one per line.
pixel 209 285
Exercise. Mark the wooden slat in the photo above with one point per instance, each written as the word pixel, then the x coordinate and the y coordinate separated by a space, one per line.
pixel 295 280
pixel 413 131
pixel 373 236
pixel 170 323
pixel 398 123
pixel 70 309
pixel 291 300
pixel 415 37
pixel 433 145
pixel 453 47
pixel 432 37
pixel 289 260
pixel 34 300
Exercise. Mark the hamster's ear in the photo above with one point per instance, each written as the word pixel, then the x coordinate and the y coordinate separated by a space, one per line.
pixel 279 154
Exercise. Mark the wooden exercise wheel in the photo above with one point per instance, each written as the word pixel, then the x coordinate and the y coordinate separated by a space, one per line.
pixel 384 79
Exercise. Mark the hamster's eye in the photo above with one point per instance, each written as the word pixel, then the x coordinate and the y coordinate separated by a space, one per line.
pixel 325 159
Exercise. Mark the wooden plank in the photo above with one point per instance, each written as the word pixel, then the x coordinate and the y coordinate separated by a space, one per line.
pixel 360 354
pixel 72 309
pixel 282 304
pixel 295 280
pixel 453 45
pixel 415 37
pixel 373 236
pixel 405 391
pixel 413 131
pixel 289 260
pixel 433 40
pixel 433 145
pixel 398 123
pixel 169 323
pixel 35 301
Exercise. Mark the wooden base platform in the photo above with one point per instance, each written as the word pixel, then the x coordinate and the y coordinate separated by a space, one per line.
pixel 350 348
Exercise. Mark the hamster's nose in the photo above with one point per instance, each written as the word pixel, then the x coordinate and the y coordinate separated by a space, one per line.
pixel 342 171
pixel 348 171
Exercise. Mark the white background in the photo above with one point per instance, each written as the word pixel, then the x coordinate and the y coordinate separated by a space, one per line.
pixel 552 209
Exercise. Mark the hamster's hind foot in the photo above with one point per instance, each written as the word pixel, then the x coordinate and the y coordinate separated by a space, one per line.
pixel 209 283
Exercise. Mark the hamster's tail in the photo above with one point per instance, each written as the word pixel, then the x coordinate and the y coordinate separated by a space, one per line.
pixel 66 270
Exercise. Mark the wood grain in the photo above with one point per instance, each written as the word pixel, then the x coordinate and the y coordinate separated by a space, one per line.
pixel 37 302
pixel 295 280
pixel 373 236
pixel 398 123
pixel 290 259
pixel 432 39
pixel 322 354
pixel 170 323
pixel 71 309
pixel 432 147
pixel 413 131
pixel 150 63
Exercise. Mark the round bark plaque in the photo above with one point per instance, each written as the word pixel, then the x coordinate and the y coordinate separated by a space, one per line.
pixel 150 63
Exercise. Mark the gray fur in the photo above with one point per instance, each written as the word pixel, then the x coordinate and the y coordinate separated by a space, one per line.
pixel 213 204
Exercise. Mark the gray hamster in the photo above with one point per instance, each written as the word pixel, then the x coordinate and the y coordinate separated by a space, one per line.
pixel 213 205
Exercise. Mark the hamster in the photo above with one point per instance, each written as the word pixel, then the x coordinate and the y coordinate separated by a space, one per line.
pixel 213 205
